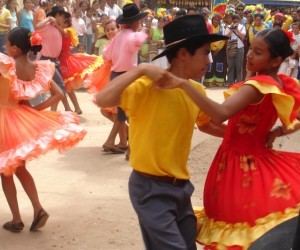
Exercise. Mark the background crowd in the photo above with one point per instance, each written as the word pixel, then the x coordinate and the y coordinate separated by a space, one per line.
pixel 238 21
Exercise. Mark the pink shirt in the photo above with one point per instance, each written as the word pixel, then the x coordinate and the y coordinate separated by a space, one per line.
pixel 123 50
pixel 52 41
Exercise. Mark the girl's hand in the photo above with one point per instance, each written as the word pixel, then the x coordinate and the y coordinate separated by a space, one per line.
pixel 152 71
pixel 25 102
pixel 169 81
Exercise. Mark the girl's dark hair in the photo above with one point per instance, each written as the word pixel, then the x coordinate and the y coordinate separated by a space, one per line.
pixel 20 37
pixel 25 1
pixel 278 41
pixel 68 21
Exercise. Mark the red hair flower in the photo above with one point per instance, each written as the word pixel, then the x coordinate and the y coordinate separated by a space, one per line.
pixel 35 39
pixel 290 35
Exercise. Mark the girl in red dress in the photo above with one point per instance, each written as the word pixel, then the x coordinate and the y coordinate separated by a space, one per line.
pixel 27 132
pixel 250 188
pixel 75 68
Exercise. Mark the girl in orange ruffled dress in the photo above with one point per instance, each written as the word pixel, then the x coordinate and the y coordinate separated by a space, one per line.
pixel 250 188
pixel 75 68
pixel 27 132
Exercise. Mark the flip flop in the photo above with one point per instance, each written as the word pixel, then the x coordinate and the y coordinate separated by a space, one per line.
pixel 15 228
pixel 113 150
pixel 40 220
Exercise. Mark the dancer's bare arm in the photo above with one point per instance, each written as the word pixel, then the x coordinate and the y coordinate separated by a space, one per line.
pixel 110 95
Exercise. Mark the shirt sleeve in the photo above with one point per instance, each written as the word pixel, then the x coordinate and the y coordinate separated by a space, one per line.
pixel 202 118
pixel 136 40
pixel 133 96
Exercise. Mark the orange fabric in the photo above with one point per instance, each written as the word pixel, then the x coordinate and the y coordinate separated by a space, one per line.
pixel 26 133
pixel 76 68
pixel 248 182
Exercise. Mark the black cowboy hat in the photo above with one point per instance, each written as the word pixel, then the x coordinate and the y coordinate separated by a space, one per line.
pixel 189 28
pixel 58 9
pixel 131 14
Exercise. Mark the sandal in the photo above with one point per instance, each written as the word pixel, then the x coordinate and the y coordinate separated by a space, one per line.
pixel 40 220
pixel 124 148
pixel 113 150
pixel 15 228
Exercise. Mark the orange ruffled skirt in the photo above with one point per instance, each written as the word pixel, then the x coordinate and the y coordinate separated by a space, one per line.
pixel 77 68
pixel 27 133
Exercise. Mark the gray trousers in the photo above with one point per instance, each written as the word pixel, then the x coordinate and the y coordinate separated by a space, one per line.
pixel 165 213
pixel 235 67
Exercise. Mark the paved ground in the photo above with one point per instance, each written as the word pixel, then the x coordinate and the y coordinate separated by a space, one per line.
pixel 85 191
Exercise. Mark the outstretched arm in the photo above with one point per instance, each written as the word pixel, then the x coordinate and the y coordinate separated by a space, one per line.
pixel 110 95
pixel 218 112
pixel 213 129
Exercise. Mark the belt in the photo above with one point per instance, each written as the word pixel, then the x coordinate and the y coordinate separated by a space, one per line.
pixel 168 179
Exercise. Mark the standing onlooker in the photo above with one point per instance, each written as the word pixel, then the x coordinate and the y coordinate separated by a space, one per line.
pixel 11 5
pixel 205 12
pixel 239 9
pixel 216 73
pixel 40 14
pixel 83 8
pixel 192 10
pixel 5 25
pixel 49 7
pixel 78 25
pixel 25 16
pixel 235 31
pixel 95 8
pixel 103 9
pixel 114 9
pixel 90 24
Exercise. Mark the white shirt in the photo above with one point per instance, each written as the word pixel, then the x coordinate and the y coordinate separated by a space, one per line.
pixel 79 26
pixel 233 36
pixel 89 25
pixel 115 11
pixel 106 11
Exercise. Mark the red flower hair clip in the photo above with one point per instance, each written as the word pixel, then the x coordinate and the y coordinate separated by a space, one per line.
pixel 290 36
pixel 35 39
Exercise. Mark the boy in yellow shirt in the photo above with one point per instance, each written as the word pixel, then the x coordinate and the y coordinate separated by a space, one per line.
pixel 161 128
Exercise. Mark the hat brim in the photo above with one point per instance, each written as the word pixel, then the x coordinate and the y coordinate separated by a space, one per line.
pixel 200 38
pixel 122 20
pixel 53 13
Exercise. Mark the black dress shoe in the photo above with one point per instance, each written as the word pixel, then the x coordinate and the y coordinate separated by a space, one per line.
pixel 40 220
pixel 17 227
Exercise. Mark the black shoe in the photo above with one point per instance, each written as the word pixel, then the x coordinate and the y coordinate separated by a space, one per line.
pixel 40 220
pixel 17 227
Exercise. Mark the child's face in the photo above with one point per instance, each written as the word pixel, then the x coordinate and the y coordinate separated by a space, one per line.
pixel 104 19
pixel 259 57
pixel 196 65
pixel 77 13
pixel 80 49
pixel 111 30
pixel 89 13
pixel 295 29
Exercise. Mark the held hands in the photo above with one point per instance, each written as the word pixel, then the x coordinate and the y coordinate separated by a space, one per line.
pixel 162 79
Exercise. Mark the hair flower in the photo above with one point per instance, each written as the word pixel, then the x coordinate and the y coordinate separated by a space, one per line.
pixel 35 39
pixel 290 35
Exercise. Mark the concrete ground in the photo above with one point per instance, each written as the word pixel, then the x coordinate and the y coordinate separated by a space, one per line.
pixel 85 191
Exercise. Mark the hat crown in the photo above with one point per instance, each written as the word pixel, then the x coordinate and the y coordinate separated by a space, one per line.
pixel 130 10
pixel 185 27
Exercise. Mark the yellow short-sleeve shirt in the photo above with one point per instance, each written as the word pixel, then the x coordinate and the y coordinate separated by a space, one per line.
pixel 3 18
pixel 161 127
